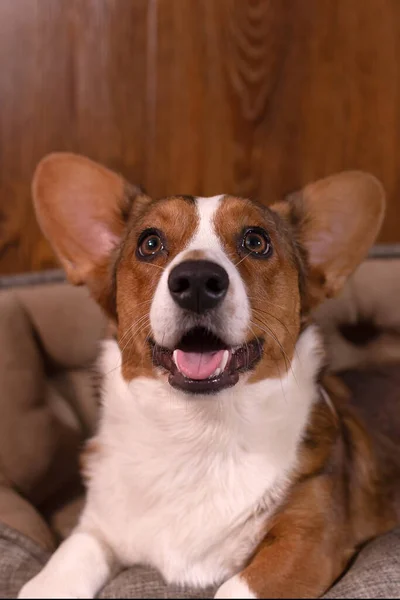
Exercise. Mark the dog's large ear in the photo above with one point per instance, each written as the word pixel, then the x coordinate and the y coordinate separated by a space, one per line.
pixel 335 221
pixel 82 208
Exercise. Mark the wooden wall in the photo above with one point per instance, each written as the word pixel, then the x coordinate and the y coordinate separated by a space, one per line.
pixel 252 97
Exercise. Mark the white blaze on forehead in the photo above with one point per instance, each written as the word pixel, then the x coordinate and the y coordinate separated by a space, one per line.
pixel 205 236
pixel 236 308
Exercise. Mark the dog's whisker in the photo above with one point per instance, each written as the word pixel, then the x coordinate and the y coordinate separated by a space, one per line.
pixel 283 325
pixel 271 334
pixel 266 329
pixel 268 314
pixel 141 304
pixel 157 266
pixel 281 382
pixel 277 364
pixel 133 310
pixel 288 362
pixel 130 341
pixel 262 300
pixel 242 259
pixel 131 327
pixel 256 337
pixel 135 335
pixel 146 339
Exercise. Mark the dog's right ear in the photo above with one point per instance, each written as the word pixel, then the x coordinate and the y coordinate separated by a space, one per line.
pixel 334 222
pixel 82 209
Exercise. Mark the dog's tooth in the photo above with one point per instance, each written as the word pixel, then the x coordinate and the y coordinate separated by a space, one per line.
pixel 224 360
pixel 175 352
pixel 216 372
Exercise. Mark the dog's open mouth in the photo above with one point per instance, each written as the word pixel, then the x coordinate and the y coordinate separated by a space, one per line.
pixel 202 363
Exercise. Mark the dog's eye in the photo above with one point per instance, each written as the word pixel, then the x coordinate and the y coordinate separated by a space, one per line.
pixel 150 244
pixel 256 241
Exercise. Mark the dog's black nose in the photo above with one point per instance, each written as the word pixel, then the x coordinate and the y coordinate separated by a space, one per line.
pixel 198 285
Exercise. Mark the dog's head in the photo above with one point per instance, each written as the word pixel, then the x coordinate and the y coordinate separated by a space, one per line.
pixel 205 291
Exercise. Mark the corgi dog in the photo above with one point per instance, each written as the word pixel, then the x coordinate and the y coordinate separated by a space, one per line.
pixel 224 456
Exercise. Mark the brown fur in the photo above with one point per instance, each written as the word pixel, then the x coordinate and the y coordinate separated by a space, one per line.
pixel 344 494
pixel 136 280
pixel 267 281
pixel 346 486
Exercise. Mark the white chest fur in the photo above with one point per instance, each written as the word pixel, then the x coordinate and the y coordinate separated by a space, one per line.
pixel 179 483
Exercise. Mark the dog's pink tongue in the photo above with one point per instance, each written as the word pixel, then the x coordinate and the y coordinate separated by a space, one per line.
pixel 198 365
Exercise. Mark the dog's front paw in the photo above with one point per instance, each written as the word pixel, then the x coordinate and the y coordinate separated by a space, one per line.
pixel 235 587
pixel 43 586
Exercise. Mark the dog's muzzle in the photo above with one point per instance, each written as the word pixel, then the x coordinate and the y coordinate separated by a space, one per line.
pixel 201 362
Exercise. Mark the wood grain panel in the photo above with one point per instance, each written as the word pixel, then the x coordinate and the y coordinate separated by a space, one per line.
pixel 259 97
pixel 253 97
pixel 73 78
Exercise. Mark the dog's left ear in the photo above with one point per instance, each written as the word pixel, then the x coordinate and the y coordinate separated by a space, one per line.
pixel 83 209
pixel 335 221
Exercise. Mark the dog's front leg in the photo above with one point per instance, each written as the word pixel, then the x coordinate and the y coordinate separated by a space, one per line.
pixel 284 569
pixel 78 569
pixel 304 552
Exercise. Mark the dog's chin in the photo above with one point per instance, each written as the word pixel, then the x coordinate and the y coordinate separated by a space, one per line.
pixel 202 363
